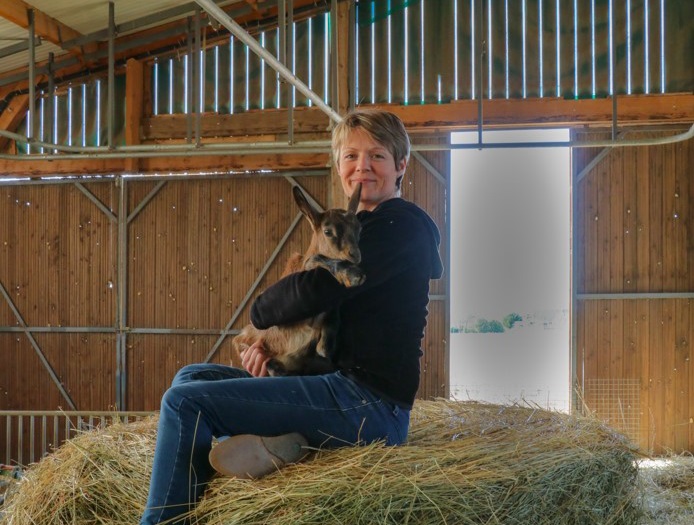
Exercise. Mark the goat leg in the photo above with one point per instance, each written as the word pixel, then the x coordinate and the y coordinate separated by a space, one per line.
pixel 348 274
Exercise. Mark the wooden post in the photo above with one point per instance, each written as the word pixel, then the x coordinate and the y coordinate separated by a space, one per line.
pixel 336 195
pixel 134 104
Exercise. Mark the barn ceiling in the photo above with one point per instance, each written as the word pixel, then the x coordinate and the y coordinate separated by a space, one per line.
pixel 76 32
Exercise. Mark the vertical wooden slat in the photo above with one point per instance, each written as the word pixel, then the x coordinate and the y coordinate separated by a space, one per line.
pixel 681 373
pixel 667 365
pixel 656 387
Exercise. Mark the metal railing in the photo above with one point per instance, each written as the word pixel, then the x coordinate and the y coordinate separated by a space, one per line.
pixel 27 436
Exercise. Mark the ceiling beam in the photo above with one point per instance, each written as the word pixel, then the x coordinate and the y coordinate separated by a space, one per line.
pixel 45 26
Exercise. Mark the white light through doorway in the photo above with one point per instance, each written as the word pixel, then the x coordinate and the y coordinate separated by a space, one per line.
pixel 510 254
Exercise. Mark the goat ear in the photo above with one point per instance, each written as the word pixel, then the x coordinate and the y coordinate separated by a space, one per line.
pixel 305 206
pixel 354 199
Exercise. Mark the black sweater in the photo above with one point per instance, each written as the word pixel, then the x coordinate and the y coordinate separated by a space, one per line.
pixel 381 321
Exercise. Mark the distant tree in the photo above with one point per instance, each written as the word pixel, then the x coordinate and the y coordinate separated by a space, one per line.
pixel 511 319
pixel 489 327
pixel 455 330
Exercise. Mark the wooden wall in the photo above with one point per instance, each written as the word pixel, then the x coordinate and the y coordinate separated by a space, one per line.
pixel 634 227
pixel 195 246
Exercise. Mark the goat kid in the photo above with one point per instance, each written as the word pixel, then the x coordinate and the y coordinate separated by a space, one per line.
pixel 304 348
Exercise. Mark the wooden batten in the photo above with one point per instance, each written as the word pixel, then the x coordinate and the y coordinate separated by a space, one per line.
pixel 134 106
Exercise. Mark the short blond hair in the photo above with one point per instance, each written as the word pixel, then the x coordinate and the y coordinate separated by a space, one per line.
pixel 384 127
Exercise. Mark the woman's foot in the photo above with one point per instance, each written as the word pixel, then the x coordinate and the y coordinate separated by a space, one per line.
pixel 248 456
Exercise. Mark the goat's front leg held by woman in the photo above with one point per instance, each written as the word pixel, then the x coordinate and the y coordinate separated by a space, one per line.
pixel 264 422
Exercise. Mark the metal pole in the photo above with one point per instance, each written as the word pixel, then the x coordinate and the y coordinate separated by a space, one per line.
pixel 214 11
pixel 199 77
pixel 50 100
pixel 32 75
pixel 290 53
pixel 110 111
pixel 121 297
pixel 190 81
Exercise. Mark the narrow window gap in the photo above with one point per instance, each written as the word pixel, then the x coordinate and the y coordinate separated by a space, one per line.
pixel 592 47
pixel 558 50
pixel 216 79
pixel 373 52
pixel 231 75
pixel 473 51
pixel 84 115
pixel 421 35
pixel 455 50
pixel 390 53
pixel 357 99
pixel 294 62
pixel 171 86
pixel 262 73
pixel 662 46
pixel 576 49
pixel 201 92
pixel 98 114
pixel 28 130
pixel 42 109
pixel 628 47
pixel 278 103
pixel 489 46
pixel 69 116
pixel 156 87
pixel 525 68
pixel 248 62
pixel 326 58
pixel 540 33
pixel 506 38
pixel 406 54
pixel 610 19
pixel 310 58
pixel 646 44
pixel 186 109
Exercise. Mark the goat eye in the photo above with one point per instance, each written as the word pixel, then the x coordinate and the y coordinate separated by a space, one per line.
pixel 328 233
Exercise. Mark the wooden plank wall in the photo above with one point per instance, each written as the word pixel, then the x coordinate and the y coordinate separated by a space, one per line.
pixel 635 229
pixel 193 252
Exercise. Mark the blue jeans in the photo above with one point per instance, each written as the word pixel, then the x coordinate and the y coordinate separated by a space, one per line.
pixel 209 400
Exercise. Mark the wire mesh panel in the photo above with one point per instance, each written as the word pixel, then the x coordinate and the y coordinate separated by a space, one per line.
pixel 617 402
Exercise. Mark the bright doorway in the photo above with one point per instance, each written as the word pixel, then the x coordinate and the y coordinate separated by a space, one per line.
pixel 510 270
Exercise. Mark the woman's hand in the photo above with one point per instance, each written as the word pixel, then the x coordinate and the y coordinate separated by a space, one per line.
pixel 254 360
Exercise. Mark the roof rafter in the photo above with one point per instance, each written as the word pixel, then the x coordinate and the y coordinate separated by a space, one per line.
pixel 44 25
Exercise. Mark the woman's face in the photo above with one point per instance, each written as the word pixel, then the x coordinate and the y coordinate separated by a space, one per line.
pixel 364 160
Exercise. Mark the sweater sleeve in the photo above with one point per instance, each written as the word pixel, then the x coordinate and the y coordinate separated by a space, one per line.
pixel 295 297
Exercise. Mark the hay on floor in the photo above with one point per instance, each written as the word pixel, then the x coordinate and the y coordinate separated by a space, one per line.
pixel 465 463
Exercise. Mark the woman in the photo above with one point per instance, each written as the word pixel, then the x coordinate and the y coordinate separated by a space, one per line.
pixel 377 351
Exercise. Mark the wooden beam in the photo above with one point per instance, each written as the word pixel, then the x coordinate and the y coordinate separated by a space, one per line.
pixel 433 118
pixel 12 116
pixel 134 104
pixel 45 26
pixel 548 112
pixel 165 165
pixel 255 122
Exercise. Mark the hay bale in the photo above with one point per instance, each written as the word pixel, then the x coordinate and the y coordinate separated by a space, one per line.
pixel 98 477
pixel 466 463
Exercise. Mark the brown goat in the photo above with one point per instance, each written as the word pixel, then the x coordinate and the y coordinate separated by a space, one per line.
pixel 303 348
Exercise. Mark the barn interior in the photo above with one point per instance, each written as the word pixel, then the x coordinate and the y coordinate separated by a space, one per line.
pixel 148 151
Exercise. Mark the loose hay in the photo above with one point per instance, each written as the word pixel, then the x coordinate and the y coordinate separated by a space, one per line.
pixel 465 463
pixel 98 477
pixel 668 490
